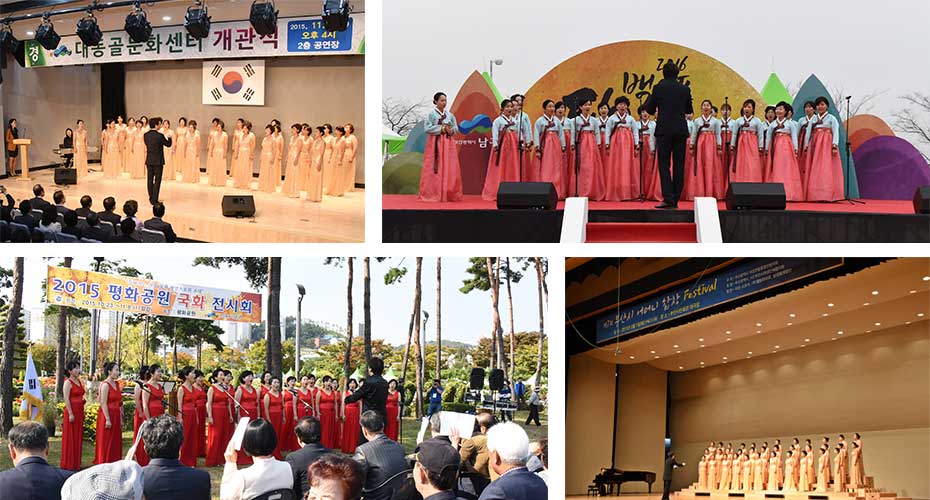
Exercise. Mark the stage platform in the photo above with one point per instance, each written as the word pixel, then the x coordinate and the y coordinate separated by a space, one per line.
pixel 867 493
pixel 194 210
pixel 406 219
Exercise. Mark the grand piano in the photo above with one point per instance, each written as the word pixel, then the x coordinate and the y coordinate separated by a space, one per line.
pixel 608 478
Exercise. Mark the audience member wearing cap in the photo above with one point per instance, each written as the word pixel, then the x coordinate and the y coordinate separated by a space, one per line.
pixel 380 457
pixel 120 480
pixel 509 449
pixel 436 469
pixel 334 477
pixel 309 434
pixel 266 473
pixel 165 477
pixel 31 477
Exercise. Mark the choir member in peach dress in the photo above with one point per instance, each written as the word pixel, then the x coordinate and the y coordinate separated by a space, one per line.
pixel 825 444
pixel 724 473
pixel 702 472
pixel 857 471
pixel 180 147
pixel 758 470
pixel 80 150
pixel 823 470
pixel 266 173
pixel 237 136
pixel 127 140
pixel 328 141
pixel 772 484
pixel 191 170
pixel 138 152
pixel 122 132
pixel 804 479
pixel 350 158
pixel 746 480
pixel 216 156
pixel 790 485
pixel 711 472
pixel 243 157
pixel 338 166
pixel 736 471
pixel 779 471
pixel 111 155
pixel 311 162
pixel 839 477
pixel 292 173
pixel 279 155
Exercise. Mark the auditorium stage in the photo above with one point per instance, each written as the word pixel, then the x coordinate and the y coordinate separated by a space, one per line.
pixel 407 220
pixel 194 210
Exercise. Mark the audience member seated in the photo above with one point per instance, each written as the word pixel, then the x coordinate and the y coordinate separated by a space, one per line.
pixel 25 216
pixel 59 198
pixel 509 447
pixel 381 458
pixel 108 214
pixel 86 203
pixel 130 209
pixel 6 209
pixel 544 458
pixel 266 473
pixel 39 202
pixel 534 463
pixel 335 477
pixel 165 477
pixel 49 222
pixel 31 477
pixel 94 230
pixel 157 224
pixel 71 225
pixel 127 230
pixel 436 469
pixel 474 451
pixel 20 235
pixel 120 480
pixel 308 434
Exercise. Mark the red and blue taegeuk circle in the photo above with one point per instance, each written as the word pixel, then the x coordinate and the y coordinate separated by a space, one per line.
pixel 232 82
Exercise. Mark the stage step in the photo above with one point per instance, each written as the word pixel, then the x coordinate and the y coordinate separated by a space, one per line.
pixel 641 232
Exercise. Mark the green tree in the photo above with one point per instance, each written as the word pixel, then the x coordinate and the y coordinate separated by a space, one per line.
pixel 9 345
pixel 44 356
pixel 337 262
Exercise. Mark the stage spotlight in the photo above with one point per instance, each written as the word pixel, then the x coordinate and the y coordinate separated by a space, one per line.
pixel 45 34
pixel 8 40
pixel 264 18
pixel 138 25
pixel 88 31
pixel 197 20
pixel 336 14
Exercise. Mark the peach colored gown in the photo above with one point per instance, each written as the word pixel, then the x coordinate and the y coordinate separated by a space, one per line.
pixel 279 156
pixel 292 172
pixel 823 472
pixel 168 172
pixel 122 138
pixel 772 485
pixel 789 475
pixel 758 482
pixel 242 173
pixel 266 173
pixel 804 484
pixel 137 170
pixel 191 169
pixel 350 162
pixel 735 472
pixel 328 142
pixel 338 166
pixel 724 475
pixel 216 161
pixel 711 474
pixel 839 479
pixel 311 163
pixel 80 153
pixel 180 151
pixel 747 475
pixel 702 474
pixel 111 155
pixel 857 471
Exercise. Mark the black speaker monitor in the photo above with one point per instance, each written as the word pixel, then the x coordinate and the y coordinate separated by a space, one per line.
pixel 756 196
pixel 238 206
pixel 922 200
pixel 65 176
pixel 496 379
pixel 476 379
pixel 527 195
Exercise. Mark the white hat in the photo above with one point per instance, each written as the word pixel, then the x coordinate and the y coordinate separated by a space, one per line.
pixel 120 480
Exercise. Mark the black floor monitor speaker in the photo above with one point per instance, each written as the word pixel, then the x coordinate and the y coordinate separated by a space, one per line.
pixel 535 195
pixel 238 206
pixel 756 196
pixel 922 200
pixel 496 379
pixel 476 379
pixel 65 176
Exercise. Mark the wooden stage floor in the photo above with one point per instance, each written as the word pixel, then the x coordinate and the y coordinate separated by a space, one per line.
pixel 194 210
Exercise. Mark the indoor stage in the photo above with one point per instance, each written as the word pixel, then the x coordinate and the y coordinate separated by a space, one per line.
pixel 194 210
pixel 406 219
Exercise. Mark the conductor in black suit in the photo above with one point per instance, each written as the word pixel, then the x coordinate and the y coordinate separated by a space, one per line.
pixel 155 142
pixel 670 465
pixel 372 393
pixel 673 101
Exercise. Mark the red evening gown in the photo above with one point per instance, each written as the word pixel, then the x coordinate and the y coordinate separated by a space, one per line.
pixel 261 402
pixel 350 427
pixel 190 423
pixel 138 417
pixel 249 403
pixel 110 441
pixel 825 171
pixel 200 403
pixel 156 408
pixel 328 419
pixel 275 415
pixel 72 432
pixel 290 438
pixel 305 404
pixel 441 176
pixel 393 408
pixel 218 432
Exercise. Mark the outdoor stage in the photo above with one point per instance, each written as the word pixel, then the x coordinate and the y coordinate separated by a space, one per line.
pixel 407 220
pixel 194 210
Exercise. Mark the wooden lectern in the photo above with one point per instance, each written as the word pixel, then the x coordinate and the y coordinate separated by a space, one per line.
pixel 24 155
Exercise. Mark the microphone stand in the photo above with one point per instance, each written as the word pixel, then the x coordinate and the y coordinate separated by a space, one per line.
pixel 577 154
pixel 142 386
pixel 520 143
pixel 233 399
pixel 849 165
pixel 297 396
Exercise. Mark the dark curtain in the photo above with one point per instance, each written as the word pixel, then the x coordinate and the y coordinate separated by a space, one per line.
pixel 112 91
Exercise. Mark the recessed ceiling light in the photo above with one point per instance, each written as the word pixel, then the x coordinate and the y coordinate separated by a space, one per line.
pixel 926 278
pixel 727 332
pixel 868 331
pixel 700 340
pixel 702 362
pixel 724 362
pixel 632 357
pixel 656 357
pixel 750 353
pixel 681 367
pixel 790 323
pixel 652 352
pixel 825 315
pixel 912 291
pixel 702 345
pixel 874 292
pixel 778 347
pixel 166 18
pixel 31 33
pixel 839 332
pixel 878 324
pixel 728 340
pixel 758 331
pixel 830 304
pixel 792 315
pixel 724 358
pixel 834 338
pixel 920 315
pixel 803 345
pixel 758 324
pixel 907 322
pixel 677 352
pixel 865 303
pixel 773 352
pixel 675 346
pixel 807 340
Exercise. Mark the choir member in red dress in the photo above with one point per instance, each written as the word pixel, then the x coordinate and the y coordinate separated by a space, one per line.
pixel 152 397
pixel 290 416
pixel 145 374
pixel 326 405
pixel 391 427
pixel 273 404
pixel 305 397
pixel 441 176
pixel 314 390
pixel 187 402
pixel 219 417
pixel 266 385
pixel 200 402
pixel 247 396
pixel 350 419
pixel 72 426
pixel 109 417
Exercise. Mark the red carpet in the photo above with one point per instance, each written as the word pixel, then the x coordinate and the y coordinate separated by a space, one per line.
pixel 474 202
pixel 636 232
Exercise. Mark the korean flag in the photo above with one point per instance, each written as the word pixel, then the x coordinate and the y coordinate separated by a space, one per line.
pixel 230 82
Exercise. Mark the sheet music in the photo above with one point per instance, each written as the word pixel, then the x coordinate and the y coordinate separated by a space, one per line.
pixel 462 422
pixel 239 433
pixel 132 449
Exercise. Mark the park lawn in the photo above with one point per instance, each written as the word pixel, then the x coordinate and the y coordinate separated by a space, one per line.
pixel 409 436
